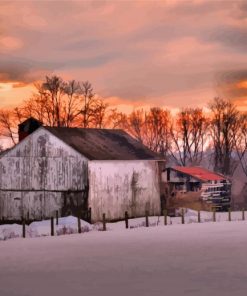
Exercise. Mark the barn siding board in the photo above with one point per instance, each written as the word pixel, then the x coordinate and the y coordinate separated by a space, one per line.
pixel 35 173
pixel 119 186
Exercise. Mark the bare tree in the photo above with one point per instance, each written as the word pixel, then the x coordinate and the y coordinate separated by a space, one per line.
pixel 188 132
pixel 116 119
pixel 57 103
pixel 152 128
pixel 240 142
pixel 136 125
pixel 157 127
pixel 223 127
pixel 9 124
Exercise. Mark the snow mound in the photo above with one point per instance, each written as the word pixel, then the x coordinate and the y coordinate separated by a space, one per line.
pixel 8 231
pixel 66 225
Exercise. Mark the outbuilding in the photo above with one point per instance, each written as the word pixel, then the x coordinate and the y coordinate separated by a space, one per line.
pixel 196 187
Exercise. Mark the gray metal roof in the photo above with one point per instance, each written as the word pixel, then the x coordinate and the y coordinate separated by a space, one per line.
pixel 103 144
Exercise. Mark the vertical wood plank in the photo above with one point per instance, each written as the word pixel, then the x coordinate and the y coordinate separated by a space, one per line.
pixel 165 216
pixel 104 222
pixel 182 216
pixel 147 221
pixel 214 215
pixel 56 217
pixel 126 217
pixel 23 228
pixel 52 226
pixel 229 215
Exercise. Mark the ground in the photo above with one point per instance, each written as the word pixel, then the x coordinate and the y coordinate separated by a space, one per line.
pixel 192 259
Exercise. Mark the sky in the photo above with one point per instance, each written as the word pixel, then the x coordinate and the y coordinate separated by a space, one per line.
pixel 171 54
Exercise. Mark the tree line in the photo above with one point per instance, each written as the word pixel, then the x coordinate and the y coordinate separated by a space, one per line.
pixel 184 138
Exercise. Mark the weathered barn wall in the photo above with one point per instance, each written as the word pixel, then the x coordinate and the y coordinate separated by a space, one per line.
pixel 36 174
pixel 119 186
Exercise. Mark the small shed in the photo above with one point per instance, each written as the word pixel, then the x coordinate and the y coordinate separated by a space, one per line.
pixel 196 187
pixel 72 169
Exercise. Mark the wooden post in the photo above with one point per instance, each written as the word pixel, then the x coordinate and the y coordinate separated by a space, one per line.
pixel 243 214
pixel 214 215
pixel 182 216
pixel 126 216
pixel 23 228
pixel 199 216
pixel 147 222
pixel 56 217
pixel 229 214
pixel 104 222
pixel 79 222
pixel 165 216
pixel 52 226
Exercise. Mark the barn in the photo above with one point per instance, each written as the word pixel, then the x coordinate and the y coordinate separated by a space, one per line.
pixel 72 170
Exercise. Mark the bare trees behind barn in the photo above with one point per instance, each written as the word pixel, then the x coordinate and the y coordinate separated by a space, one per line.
pixel 57 102
pixel 188 133
pixel 66 103
pixel 183 137
pixel 240 142
pixel 9 120
pixel 152 128
pixel 224 126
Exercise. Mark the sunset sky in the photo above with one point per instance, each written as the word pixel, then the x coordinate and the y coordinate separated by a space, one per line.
pixel 135 53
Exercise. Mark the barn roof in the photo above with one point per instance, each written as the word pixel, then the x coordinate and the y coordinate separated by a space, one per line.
pixel 200 173
pixel 103 144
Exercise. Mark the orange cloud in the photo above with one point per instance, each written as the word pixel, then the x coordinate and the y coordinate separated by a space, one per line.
pixel 9 43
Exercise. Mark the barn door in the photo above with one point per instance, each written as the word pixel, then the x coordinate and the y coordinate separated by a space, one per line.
pixel 75 203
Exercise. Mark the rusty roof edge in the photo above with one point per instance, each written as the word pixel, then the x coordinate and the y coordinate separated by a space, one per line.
pixel 196 176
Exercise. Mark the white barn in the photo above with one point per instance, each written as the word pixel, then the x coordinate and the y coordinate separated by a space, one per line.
pixel 71 170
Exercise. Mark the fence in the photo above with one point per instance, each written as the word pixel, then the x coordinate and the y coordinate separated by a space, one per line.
pixel 181 219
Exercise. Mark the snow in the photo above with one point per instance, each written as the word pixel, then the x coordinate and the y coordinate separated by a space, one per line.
pixel 69 225
pixel 191 259
pixel 10 231
pixel 66 225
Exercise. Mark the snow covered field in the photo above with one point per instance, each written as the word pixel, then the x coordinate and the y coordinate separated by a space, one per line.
pixel 192 259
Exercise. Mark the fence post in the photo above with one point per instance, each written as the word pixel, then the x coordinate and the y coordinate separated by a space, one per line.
pixel 243 214
pixel 52 226
pixel 229 214
pixel 199 216
pixel 56 217
pixel 182 216
pixel 214 215
pixel 165 216
pixel 23 228
pixel 79 222
pixel 104 222
pixel 147 222
pixel 126 216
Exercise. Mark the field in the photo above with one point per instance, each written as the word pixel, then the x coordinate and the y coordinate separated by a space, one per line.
pixel 191 259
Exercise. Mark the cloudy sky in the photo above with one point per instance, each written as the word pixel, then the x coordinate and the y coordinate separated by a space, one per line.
pixel 135 53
